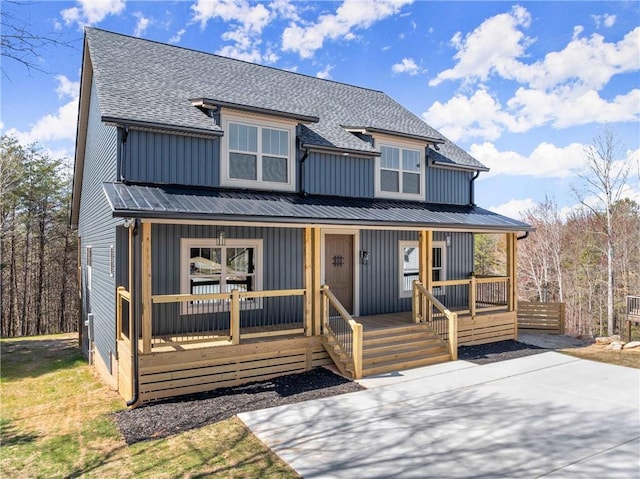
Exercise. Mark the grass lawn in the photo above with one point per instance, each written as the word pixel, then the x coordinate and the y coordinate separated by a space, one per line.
pixel 56 422
pixel 598 352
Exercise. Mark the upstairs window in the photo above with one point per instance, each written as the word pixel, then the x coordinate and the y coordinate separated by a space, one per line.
pixel 399 173
pixel 258 155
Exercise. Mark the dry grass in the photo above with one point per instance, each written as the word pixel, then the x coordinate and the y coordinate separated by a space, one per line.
pixel 598 352
pixel 56 422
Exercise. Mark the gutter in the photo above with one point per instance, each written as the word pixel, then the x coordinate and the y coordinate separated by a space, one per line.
pixel 526 235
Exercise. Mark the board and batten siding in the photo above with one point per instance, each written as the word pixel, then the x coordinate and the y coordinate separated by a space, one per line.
pixel 165 158
pixel 282 268
pixel 448 186
pixel 97 228
pixel 337 175
pixel 379 280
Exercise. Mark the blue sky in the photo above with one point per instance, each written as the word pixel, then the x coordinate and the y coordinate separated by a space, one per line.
pixel 524 87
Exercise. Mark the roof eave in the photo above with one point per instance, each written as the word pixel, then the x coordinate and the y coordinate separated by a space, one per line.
pixel 215 104
pixel 216 217
pixel 338 150
pixel 86 77
pixel 373 130
pixel 146 125
pixel 458 166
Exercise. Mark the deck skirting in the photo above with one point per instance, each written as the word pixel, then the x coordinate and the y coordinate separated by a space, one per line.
pixel 168 374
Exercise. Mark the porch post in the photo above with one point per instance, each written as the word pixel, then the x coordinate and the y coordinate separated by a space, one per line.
pixel 512 271
pixel 308 282
pixel 316 268
pixel 146 288
pixel 425 257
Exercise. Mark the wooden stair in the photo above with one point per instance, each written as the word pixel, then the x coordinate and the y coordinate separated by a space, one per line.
pixel 392 349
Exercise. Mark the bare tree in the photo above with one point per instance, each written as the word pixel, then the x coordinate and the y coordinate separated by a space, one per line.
pixel 603 181
pixel 20 40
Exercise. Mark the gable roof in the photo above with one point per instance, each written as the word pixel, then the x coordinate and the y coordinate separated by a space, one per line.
pixel 150 83
pixel 171 202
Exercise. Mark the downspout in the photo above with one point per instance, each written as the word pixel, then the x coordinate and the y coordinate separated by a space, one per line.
pixel 134 324
pixel 123 151
pixel 526 234
pixel 472 189
pixel 301 171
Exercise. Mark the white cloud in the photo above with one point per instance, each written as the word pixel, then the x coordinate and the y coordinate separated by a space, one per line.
pixel 545 161
pixel 67 88
pixel 326 73
pixel 493 46
pixel 352 14
pixel 514 208
pixel 60 125
pixel 178 36
pixel 251 18
pixel 463 117
pixel 141 25
pixel 407 65
pixel 90 12
pixel 247 24
pixel 498 44
pixel 605 20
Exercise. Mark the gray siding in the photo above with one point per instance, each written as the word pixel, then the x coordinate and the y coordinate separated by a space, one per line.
pixel 336 175
pixel 96 227
pixel 448 186
pixel 282 268
pixel 379 279
pixel 170 159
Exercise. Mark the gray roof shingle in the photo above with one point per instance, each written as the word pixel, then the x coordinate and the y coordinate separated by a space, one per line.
pixel 152 83
pixel 167 202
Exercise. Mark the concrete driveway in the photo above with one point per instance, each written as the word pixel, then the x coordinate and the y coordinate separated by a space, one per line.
pixel 543 415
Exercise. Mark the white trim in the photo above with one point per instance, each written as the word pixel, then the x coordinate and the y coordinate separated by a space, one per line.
pixel 258 122
pixel 401 145
pixel 356 262
pixel 89 263
pixel 187 243
pixel 402 293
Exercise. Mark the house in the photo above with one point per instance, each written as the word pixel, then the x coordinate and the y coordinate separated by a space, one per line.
pixel 237 222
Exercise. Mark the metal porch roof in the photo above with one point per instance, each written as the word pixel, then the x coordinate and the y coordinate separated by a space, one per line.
pixel 170 202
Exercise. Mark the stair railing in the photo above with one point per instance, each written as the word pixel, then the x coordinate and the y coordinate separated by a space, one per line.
pixel 340 325
pixel 427 309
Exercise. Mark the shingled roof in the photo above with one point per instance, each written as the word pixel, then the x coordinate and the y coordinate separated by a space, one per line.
pixel 145 82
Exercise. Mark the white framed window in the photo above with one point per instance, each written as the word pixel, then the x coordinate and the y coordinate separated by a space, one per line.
pixel 409 262
pixel 257 153
pixel 399 172
pixel 207 267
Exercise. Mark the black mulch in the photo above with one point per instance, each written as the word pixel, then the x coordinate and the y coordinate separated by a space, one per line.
pixel 493 352
pixel 162 419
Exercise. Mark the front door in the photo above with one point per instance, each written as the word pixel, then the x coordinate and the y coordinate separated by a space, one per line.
pixel 338 267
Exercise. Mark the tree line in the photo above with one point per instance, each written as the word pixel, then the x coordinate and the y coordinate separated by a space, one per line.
pixel 38 275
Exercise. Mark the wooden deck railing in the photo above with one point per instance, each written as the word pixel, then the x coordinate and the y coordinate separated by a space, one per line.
pixel 475 294
pixel 338 324
pixel 123 316
pixel 221 322
pixel 427 309
pixel 633 314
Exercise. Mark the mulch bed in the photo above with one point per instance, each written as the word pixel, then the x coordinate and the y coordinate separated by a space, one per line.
pixel 500 351
pixel 162 419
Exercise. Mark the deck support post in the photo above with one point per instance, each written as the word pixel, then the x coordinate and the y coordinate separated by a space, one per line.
pixel 146 288
pixel 308 281
pixel 357 351
pixel 453 336
pixel 234 325
pixel 316 285
pixel 472 296
pixel 425 250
